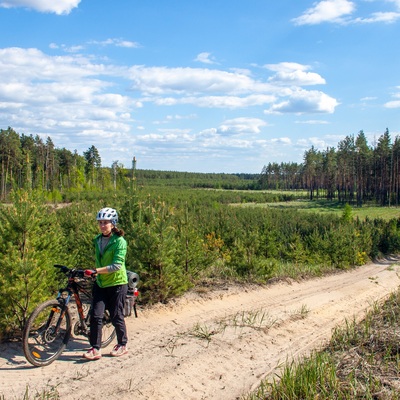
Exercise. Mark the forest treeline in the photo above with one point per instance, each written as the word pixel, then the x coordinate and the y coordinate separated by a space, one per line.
pixel 29 162
pixel 355 172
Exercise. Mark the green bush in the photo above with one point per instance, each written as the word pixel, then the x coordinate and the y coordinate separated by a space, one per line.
pixel 30 243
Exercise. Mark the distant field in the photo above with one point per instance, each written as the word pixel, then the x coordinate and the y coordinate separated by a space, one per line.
pixel 325 206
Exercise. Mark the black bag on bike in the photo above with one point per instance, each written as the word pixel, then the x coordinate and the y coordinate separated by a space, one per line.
pixel 133 293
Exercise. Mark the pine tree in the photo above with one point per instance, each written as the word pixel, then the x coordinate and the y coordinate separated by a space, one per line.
pixel 30 243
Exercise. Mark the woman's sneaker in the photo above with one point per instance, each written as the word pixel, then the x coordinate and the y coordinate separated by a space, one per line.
pixel 119 350
pixel 92 354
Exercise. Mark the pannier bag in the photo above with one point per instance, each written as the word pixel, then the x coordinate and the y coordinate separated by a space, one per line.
pixel 133 293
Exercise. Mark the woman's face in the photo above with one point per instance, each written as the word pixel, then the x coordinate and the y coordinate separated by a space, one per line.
pixel 105 227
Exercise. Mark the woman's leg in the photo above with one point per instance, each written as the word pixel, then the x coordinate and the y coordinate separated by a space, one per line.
pixel 116 304
pixel 96 318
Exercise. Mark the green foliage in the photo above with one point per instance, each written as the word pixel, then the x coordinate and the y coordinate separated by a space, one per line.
pixel 316 378
pixel 153 246
pixel 79 226
pixel 30 243
pixel 347 214
pixel 197 180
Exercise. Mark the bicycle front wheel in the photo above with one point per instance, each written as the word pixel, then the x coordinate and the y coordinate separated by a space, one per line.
pixel 46 333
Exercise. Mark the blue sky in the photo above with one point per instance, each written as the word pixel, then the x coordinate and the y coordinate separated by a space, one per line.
pixel 200 85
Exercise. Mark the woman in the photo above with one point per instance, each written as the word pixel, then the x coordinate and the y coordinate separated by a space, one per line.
pixel 110 288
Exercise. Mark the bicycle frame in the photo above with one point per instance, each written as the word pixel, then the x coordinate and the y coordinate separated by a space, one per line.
pixel 72 290
pixel 48 329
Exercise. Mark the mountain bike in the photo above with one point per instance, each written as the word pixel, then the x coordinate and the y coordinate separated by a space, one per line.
pixel 48 329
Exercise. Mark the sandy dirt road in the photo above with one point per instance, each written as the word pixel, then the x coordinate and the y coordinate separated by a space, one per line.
pixel 209 345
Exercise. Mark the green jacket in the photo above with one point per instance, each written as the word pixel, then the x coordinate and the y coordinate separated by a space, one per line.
pixel 114 253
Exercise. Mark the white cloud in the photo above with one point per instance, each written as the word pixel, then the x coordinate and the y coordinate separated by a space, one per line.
pixel 77 77
pixel 75 94
pixel 396 3
pixel 287 67
pixel 205 58
pixel 289 73
pixel 78 99
pixel 162 80
pixel 180 117
pixel 118 42
pixel 313 122
pixel 239 126
pixel 368 98
pixel 231 102
pixel 60 94
pixel 306 143
pixel 282 140
pixel 302 101
pixel 326 11
pixel 386 17
pixel 394 103
pixel 339 11
pixel 47 6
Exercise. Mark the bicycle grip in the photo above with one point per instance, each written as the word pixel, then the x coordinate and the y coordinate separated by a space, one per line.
pixel 89 272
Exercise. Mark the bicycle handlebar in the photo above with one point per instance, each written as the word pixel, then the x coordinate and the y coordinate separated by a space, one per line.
pixel 72 272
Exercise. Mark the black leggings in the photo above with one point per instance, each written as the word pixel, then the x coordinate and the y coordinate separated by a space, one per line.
pixel 113 299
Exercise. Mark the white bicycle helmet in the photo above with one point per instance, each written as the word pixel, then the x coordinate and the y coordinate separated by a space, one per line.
pixel 108 214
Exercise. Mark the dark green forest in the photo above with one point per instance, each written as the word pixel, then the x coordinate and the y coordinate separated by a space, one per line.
pixel 355 172
pixel 182 229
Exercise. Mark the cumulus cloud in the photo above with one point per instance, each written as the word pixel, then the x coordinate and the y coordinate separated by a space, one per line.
pixel 59 95
pixel 66 95
pixel 341 11
pixel 163 80
pixel 238 126
pixel 317 142
pixel 70 90
pixel 289 73
pixel 394 103
pixel 58 7
pixel 326 11
pixel 231 102
pixel 302 101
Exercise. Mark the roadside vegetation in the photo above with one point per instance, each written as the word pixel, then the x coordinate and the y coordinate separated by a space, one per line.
pixel 367 212
pixel 362 361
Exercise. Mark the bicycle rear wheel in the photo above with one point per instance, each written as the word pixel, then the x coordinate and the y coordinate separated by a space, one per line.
pixel 46 333
pixel 108 331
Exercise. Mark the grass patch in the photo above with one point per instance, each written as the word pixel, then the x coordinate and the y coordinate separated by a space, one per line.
pixel 300 313
pixel 256 319
pixel 203 332
pixel 332 207
pixel 362 361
